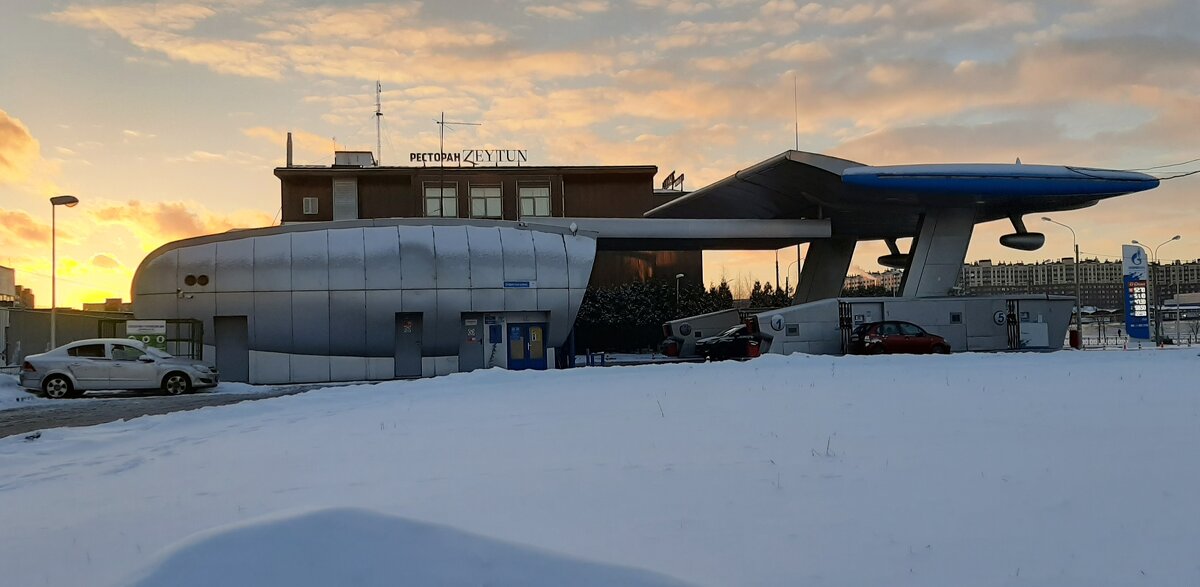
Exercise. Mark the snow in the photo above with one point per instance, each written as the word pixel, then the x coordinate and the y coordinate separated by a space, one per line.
pixel 342 546
pixel 1066 468
pixel 12 395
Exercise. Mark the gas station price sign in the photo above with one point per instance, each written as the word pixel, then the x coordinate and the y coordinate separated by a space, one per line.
pixel 1138 298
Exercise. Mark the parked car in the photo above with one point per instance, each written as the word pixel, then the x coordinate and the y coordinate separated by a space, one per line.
pixel 735 343
pixel 891 336
pixel 112 363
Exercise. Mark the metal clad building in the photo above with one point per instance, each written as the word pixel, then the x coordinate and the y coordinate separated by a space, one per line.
pixel 375 299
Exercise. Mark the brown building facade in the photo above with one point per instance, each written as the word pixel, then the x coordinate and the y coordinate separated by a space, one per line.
pixel 347 192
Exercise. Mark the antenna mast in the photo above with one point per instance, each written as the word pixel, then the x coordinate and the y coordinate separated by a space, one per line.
pixel 378 118
pixel 441 122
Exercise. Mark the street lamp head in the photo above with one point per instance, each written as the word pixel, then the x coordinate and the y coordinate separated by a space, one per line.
pixel 1175 238
pixel 1047 219
pixel 678 276
pixel 68 201
pixel 1135 242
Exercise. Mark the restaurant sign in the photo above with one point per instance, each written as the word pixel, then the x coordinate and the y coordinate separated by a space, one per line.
pixel 473 157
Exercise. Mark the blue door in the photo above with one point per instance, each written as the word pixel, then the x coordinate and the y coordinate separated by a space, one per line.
pixel 526 346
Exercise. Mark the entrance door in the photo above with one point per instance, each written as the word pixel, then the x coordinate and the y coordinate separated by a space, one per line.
pixel 231 334
pixel 408 344
pixel 526 346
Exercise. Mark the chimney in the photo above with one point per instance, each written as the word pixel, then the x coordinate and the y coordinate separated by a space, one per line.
pixel 289 149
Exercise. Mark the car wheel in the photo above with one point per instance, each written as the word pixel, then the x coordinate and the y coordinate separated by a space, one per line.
pixel 942 349
pixel 875 350
pixel 57 387
pixel 176 384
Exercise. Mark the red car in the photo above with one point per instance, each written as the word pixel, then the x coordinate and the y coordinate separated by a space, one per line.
pixel 876 338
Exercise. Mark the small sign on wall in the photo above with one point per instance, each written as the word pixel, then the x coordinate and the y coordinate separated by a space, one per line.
pixel 152 333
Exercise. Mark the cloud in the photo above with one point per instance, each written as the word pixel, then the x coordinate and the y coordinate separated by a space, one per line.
pixel 105 262
pixel 568 10
pixel 19 151
pixel 163 28
pixel 158 222
pixel 18 229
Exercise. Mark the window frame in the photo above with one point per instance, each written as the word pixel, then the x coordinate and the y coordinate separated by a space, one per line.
pixel 316 205
pixel 521 198
pixel 498 198
pixel 74 351
pixel 449 191
pixel 113 351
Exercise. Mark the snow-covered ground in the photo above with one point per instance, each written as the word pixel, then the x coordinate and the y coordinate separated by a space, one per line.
pixel 1067 468
pixel 13 395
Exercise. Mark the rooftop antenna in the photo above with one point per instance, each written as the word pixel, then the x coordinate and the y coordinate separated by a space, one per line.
pixel 442 123
pixel 796 108
pixel 378 118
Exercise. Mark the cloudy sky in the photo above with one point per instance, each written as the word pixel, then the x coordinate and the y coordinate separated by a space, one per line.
pixel 166 118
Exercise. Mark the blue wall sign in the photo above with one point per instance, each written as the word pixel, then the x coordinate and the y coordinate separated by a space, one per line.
pixel 519 284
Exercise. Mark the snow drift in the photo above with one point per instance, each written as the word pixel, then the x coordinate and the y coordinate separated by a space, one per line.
pixel 346 546
pixel 1064 469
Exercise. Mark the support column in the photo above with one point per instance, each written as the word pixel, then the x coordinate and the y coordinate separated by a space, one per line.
pixel 937 253
pixel 824 271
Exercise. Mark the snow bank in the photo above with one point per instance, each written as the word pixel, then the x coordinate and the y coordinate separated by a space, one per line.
pixel 13 395
pixel 364 548
pixel 1065 469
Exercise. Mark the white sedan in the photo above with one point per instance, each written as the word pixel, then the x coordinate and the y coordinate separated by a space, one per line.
pixel 112 363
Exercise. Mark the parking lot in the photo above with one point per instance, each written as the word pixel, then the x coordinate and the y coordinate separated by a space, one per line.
pixel 101 407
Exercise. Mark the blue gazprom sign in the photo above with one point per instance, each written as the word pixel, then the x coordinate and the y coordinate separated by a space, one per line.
pixel 1134 269
pixel 518 284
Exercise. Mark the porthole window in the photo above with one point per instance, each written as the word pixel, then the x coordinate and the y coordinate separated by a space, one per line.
pixel 202 280
pixel 189 280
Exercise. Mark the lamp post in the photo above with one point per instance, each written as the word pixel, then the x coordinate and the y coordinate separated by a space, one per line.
pixel 68 201
pixel 787 276
pixel 1154 289
pixel 1078 296
pixel 678 276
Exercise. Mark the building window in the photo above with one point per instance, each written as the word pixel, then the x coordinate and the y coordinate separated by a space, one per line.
pixel 535 200
pixel 486 202
pixel 310 205
pixel 441 202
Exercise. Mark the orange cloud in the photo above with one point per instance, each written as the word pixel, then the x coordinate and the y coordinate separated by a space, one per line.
pixel 19 229
pixel 159 222
pixel 18 150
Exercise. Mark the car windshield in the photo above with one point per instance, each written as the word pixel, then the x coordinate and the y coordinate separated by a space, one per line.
pixel 734 330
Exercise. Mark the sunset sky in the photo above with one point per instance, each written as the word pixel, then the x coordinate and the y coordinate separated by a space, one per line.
pixel 166 119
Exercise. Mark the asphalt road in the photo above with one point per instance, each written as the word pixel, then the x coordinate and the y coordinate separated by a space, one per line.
pixel 98 408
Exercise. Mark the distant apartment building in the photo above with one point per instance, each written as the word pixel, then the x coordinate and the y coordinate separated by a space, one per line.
pixel 108 305
pixel 9 296
pixel 1100 283
pixel 888 279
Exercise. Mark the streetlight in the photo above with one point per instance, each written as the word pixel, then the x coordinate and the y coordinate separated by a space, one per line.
pixel 1078 297
pixel 68 201
pixel 678 276
pixel 1154 289
pixel 787 276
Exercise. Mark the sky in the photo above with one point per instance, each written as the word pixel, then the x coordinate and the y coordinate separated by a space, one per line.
pixel 166 118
